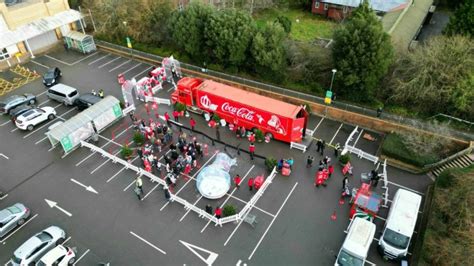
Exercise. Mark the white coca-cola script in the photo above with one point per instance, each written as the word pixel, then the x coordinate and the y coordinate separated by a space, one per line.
pixel 244 113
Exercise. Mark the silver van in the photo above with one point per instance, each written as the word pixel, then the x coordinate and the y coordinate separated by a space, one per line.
pixel 63 93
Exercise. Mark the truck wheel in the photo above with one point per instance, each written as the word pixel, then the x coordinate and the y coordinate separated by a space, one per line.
pixel 269 135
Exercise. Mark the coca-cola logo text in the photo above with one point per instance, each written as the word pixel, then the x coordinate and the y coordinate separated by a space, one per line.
pixel 239 112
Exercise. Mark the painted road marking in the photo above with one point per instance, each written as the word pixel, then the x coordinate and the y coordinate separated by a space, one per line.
pixel 119 65
pixel 41 104
pixel 5 123
pixel 40 64
pixel 53 204
pixel 194 204
pixel 88 188
pixel 98 59
pixel 4 156
pixel 82 256
pixel 336 133
pixel 111 61
pixel 125 189
pixel 147 69
pixel 123 168
pixel 150 192
pixel 37 95
pixel 147 242
pixel 115 154
pixel 210 259
pixel 4 196
pixel 21 226
pixel 139 64
pixel 80 60
pixel 225 201
pixel 67 239
pixel 320 121
pixel 412 190
pixel 202 167
pixel 358 137
pixel 55 59
pixel 271 223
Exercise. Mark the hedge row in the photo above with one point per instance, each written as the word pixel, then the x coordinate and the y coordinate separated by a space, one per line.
pixel 394 147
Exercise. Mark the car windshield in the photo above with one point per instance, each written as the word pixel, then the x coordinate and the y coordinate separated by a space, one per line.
pixel 395 239
pixel 44 236
pixel 49 74
pixel 14 209
pixel 16 260
pixel 345 258
pixel 27 113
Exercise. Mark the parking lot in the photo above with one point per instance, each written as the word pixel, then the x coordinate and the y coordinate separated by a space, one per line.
pixel 111 225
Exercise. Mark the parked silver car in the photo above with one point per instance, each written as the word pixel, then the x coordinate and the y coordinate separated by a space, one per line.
pixel 35 247
pixel 15 100
pixel 12 217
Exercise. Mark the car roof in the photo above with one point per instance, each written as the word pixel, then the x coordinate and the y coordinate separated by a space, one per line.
pixel 63 88
pixel 28 113
pixel 13 97
pixel 89 97
pixel 53 254
pixel 26 248
pixel 4 214
pixel 405 212
pixel 360 236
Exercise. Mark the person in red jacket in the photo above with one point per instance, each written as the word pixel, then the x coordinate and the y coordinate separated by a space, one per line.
pixel 331 170
pixel 250 183
pixel 192 123
pixel 176 115
pixel 237 181
pixel 251 150
pixel 218 212
pixel 167 118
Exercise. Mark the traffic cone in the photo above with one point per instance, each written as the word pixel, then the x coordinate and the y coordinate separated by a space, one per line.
pixel 333 216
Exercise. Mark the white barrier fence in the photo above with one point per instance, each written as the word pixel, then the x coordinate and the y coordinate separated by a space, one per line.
pixel 157 100
pixel 187 205
pixel 364 155
pixel 298 146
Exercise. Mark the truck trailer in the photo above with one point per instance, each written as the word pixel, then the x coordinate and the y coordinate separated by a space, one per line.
pixel 276 119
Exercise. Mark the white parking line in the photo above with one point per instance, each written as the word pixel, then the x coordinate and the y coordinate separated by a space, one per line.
pixel 271 223
pixel 36 143
pixel 336 133
pixel 139 64
pixel 98 59
pixel 190 179
pixel 37 95
pixel 225 201
pixel 147 69
pixel 123 168
pixel 111 61
pixel 147 242
pixel 82 256
pixel 47 67
pixel 4 196
pixel 153 189
pixel 55 59
pixel 370 263
pixel 5 123
pixel 184 215
pixel 41 104
pixel 80 60
pixel 125 189
pixel 119 65
pixel 358 137
pixel 320 121
pixel 412 190
pixel 67 239
pixel 21 226
pixel 106 161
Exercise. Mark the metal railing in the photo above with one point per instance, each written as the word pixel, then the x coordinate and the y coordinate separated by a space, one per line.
pixel 299 95
pixel 432 166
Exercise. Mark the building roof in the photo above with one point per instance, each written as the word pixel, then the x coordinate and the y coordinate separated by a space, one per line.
pixel 38 27
pixel 250 99
pixel 378 5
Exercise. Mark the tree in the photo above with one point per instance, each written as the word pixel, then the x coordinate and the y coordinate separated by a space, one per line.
pixel 268 48
pixel 228 33
pixel 155 28
pixel 187 29
pixel 362 53
pixel 436 78
pixel 462 21
pixel 285 22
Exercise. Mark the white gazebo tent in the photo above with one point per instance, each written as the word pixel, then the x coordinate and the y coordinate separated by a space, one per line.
pixel 85 124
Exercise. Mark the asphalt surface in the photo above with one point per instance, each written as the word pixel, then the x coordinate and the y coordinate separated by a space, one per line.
pixel 294 218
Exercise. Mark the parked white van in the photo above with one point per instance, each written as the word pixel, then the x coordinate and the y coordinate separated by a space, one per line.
pixel 357 243
pixel 400 225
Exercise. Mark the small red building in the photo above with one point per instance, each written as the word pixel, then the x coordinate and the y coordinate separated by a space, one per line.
pixel 341 9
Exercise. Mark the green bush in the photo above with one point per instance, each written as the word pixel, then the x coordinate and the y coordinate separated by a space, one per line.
pixel 259 135
pixel 126 152
pixel 229 210
pixel 394 147
pixel 285 22
pixel 270 163
pixel 179 107
pixel 343 159
pixel 138 139
pixel 216 118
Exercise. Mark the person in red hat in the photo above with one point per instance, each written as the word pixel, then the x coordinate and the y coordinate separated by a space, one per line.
pixel 331 170
pixel 237 180
pixel 218 212
pixel 192 123
pixel 250 183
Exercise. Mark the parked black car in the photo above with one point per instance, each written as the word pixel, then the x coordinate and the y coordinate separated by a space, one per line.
pixel 86 100
pixel 15 112
pixel 52 76
pixel 16 100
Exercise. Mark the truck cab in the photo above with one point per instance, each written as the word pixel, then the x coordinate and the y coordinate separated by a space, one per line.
pixel 185 92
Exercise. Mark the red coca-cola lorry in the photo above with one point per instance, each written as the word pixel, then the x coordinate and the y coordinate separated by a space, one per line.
pixel 276 119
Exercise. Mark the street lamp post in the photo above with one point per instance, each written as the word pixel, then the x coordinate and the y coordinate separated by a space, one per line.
pixel 332 79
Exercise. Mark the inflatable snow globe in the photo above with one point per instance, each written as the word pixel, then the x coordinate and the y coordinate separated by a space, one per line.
pixel 214 180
